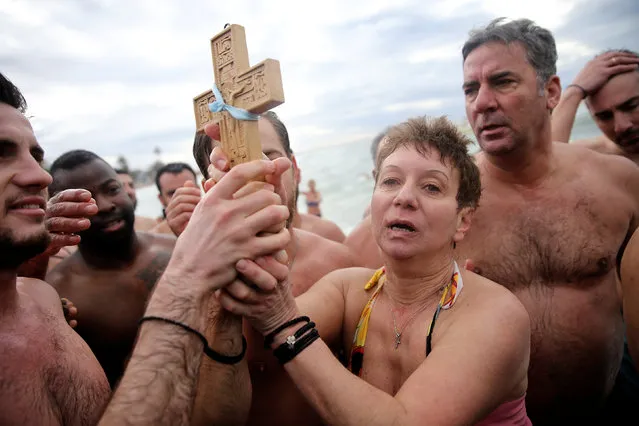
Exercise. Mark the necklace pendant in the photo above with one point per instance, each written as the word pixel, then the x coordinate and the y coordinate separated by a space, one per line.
pixel 398 339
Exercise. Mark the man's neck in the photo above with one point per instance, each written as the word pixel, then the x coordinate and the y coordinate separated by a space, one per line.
pixel 293 246
pixel 8 290
pixel 111 257
pixel 527 166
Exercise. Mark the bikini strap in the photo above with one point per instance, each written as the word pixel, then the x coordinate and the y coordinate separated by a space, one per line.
pixel 449 297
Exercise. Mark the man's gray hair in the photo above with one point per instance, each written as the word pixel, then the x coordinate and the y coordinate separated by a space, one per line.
pixel 539 43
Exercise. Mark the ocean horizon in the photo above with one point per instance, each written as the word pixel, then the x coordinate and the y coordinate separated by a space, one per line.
pixel 343 175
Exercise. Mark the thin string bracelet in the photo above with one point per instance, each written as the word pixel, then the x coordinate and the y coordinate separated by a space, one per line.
pixel 215 356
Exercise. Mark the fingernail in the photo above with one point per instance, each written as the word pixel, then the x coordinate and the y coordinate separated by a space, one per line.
pixel 220 163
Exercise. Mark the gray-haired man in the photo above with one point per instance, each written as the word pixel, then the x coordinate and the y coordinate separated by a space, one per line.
pixel 553 221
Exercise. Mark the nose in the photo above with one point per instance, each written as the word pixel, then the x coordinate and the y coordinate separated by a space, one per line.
pixel 405 197
pixel 104 203
pixel 485 100
pixel 31 175
pixel 623 122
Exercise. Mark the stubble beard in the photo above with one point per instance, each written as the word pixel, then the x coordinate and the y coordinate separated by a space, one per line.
pixel 17 251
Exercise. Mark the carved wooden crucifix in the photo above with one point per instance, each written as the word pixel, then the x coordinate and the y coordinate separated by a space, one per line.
pixel 255 89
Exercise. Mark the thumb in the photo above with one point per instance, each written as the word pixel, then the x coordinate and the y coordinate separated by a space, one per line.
pixel 213 131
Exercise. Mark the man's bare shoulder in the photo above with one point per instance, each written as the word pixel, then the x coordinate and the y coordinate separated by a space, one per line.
pixel 579 155
pixel 143 223
pixel 41 292
pixel 322 227
pixel 158 241
pixel 64 270
pixel 599 144
pixel 336 254
pixel 161 228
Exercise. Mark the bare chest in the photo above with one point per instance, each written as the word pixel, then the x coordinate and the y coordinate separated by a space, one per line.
pixel 41 376
pixel 569 236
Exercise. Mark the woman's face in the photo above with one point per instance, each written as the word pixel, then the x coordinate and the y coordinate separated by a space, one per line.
pixel 414 206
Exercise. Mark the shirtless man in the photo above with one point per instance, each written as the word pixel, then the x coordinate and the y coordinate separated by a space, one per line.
pixel 630 286
pixel 48 375
pixel 552 223
pixel 141 223
pixel 311 257
pixel 610 86
pixel 168 179
pixel 360 239
pixel 110 276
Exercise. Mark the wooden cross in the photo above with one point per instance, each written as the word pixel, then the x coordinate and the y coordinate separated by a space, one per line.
pixel 255 89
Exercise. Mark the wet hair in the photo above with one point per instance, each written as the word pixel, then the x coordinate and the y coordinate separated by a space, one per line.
pixel 203 144
pixel 11 95
pixel 69 161
pixel 539 43
pixel 375 144
pixel 202 148
pixel 173 168
pixel 281 131
pixel 427 133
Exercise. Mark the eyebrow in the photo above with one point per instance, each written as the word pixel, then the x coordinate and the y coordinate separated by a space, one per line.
pixel 37 152
pixel 627 102
pixel 492 78
pixel 426 171
pixel 272 151
pixel 109 182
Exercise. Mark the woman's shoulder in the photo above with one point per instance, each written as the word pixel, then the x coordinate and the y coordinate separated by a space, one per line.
pixel 492 301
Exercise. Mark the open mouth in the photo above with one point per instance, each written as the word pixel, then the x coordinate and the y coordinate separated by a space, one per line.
pixel 402 227
pixel 31 206
pixel 113 225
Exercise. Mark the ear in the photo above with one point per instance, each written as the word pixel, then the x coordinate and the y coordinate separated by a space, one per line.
pixel 464 219
pixel 297 173
pixel 552 92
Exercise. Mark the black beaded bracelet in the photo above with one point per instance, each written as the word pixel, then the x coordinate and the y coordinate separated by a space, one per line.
pixel 293 346
pixel 583 91
pixel 215 356
pixel 268 339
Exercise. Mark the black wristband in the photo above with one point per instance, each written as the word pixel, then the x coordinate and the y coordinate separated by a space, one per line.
pixel 215 356
pixel 268 339
pixel 293 346
pixel 583 91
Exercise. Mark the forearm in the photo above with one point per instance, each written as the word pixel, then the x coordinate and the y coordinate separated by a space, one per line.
pixel 563 116
pixel 224 391
pixel 158 386
pixel 340 397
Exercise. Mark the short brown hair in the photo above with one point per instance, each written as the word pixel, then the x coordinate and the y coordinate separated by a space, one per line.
pixel 425 133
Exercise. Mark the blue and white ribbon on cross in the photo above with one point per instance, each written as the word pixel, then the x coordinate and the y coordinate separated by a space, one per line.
pixel 218 105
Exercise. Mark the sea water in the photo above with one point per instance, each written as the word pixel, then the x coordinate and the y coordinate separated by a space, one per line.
pixel 343 175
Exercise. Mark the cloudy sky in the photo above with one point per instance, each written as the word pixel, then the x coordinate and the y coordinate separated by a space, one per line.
pixel 118 77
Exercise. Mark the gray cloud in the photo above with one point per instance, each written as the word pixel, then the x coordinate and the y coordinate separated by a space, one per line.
pixel 118 77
